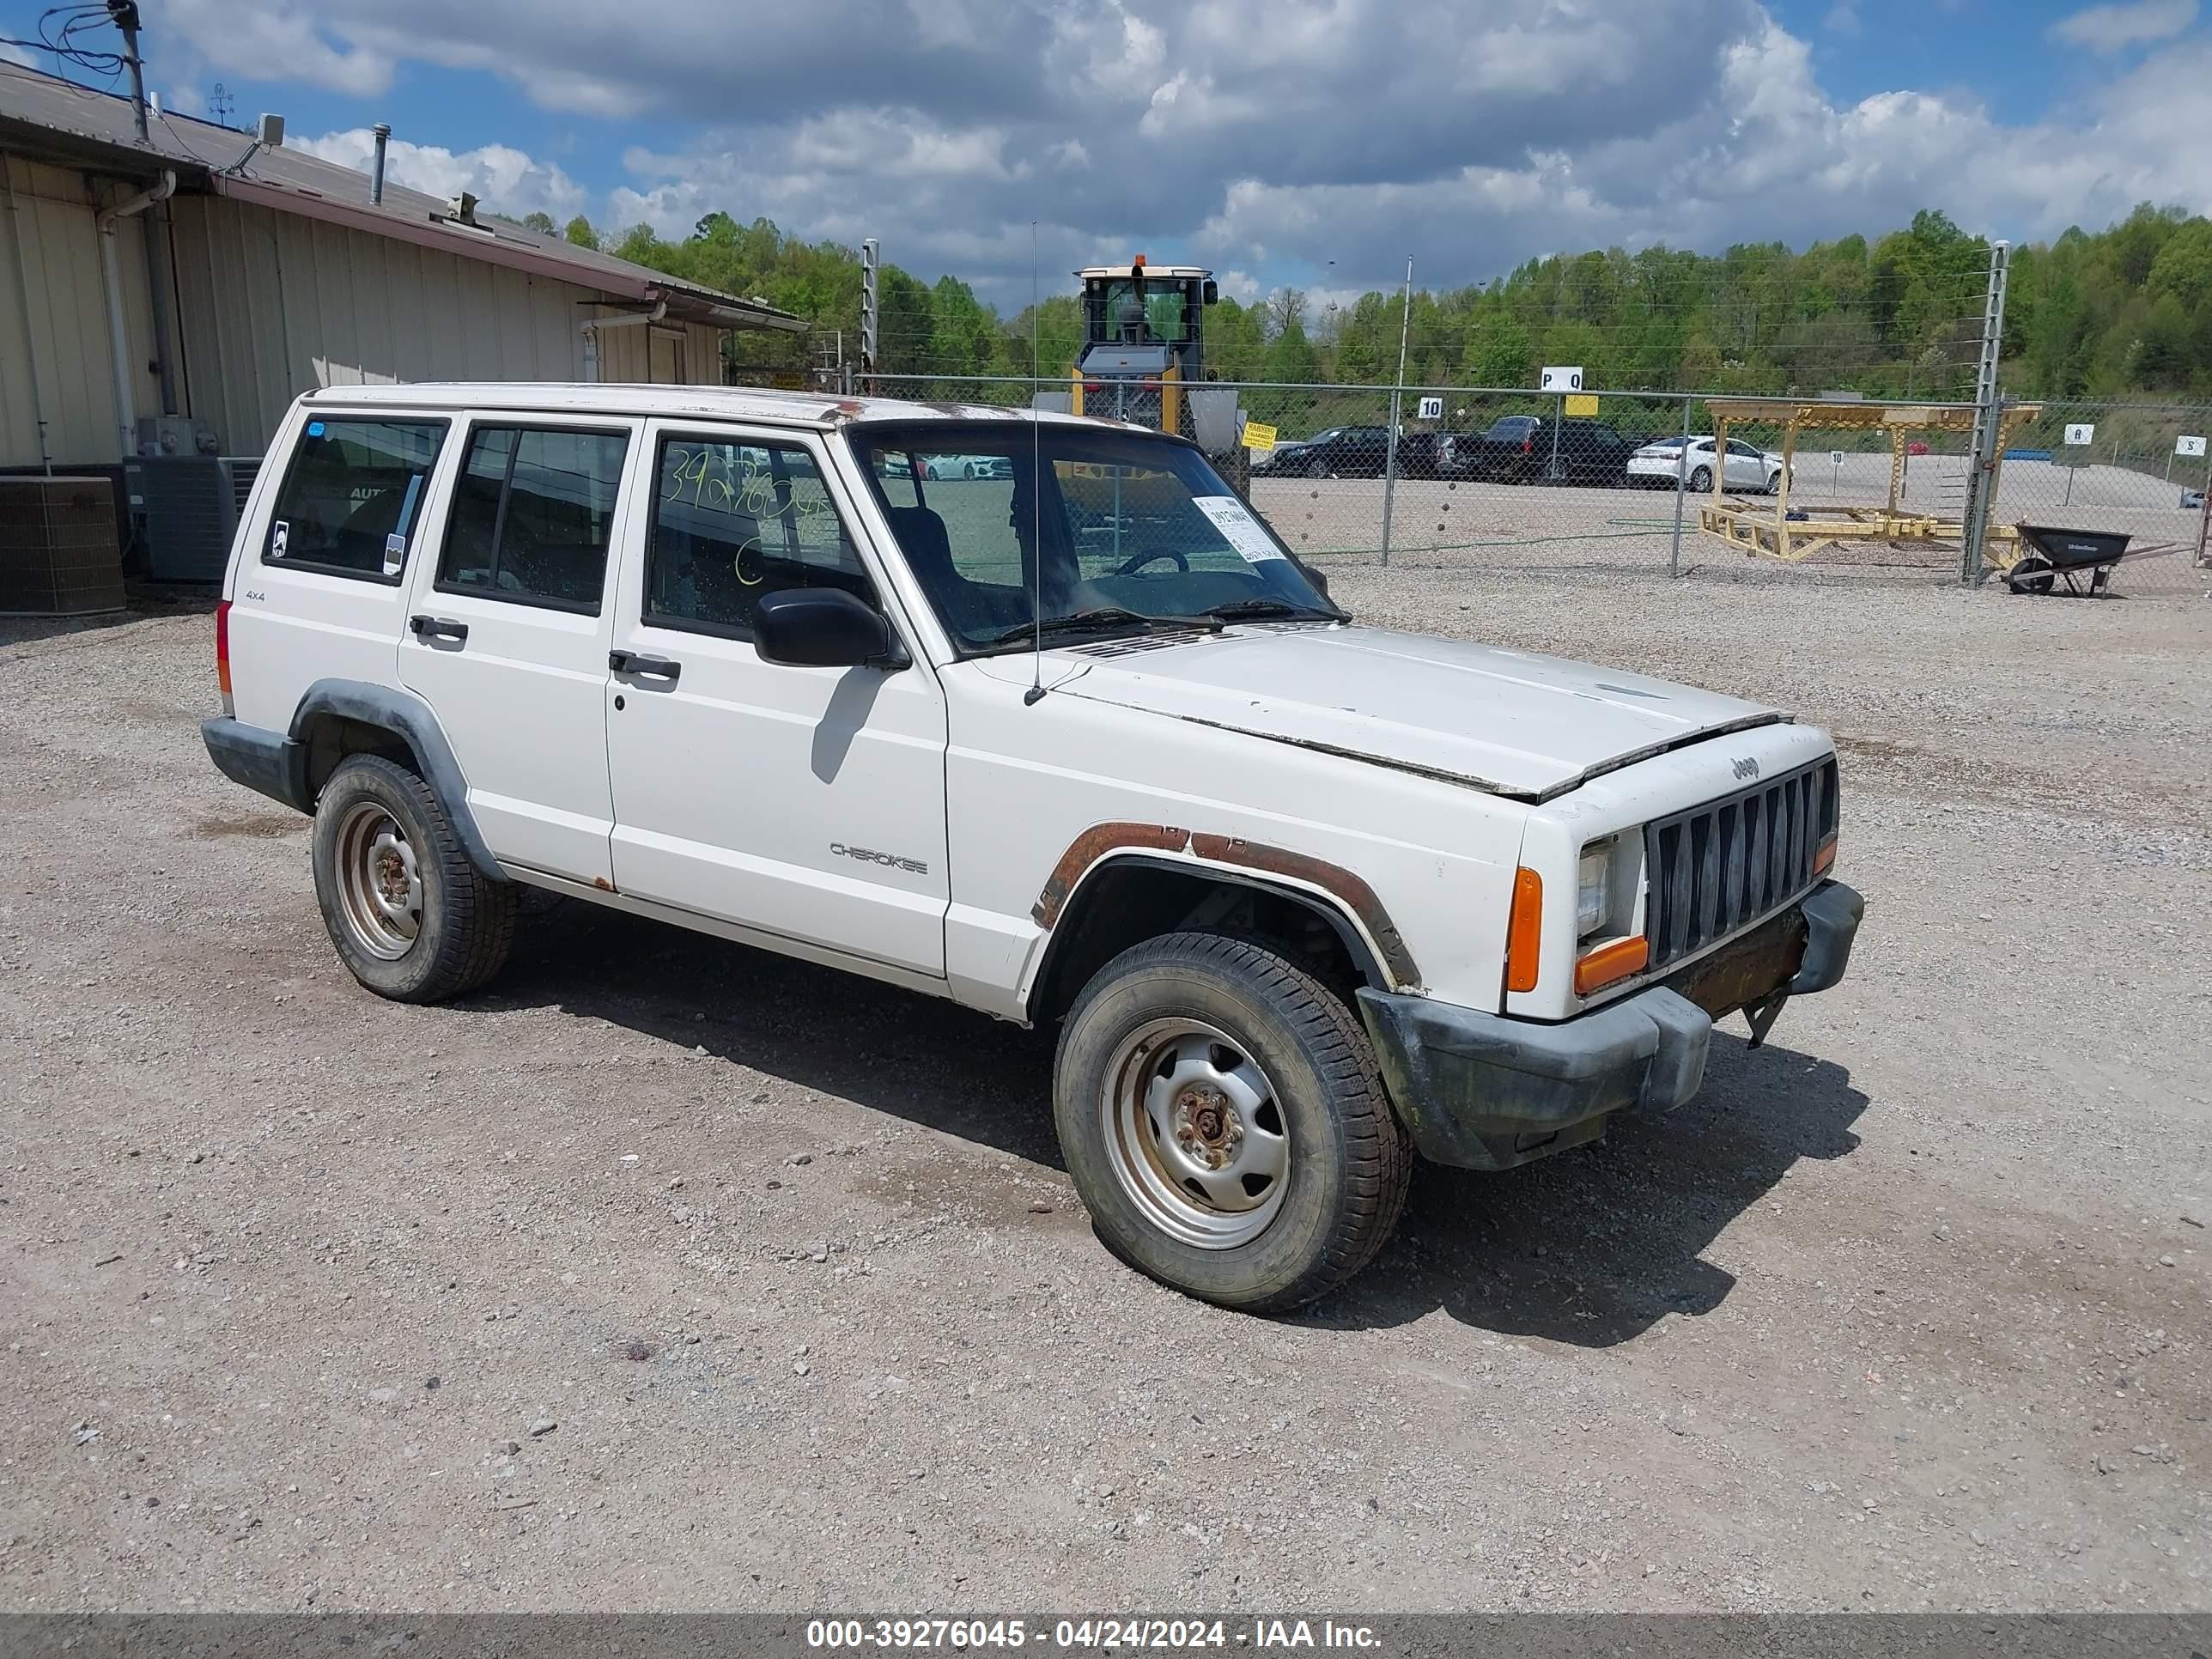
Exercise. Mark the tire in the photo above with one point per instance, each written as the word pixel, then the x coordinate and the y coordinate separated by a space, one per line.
pixel 1774 483
pixel 1279 1081
pixel 412 919
pixel 1701 480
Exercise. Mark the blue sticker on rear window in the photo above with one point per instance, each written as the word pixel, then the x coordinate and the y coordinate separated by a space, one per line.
pixel 315 429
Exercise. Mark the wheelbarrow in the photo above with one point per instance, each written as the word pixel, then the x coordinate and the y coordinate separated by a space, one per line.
pixel 2067 555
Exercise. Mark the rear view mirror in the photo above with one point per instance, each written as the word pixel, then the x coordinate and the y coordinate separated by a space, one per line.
pixel 822 628
pixel 1210 294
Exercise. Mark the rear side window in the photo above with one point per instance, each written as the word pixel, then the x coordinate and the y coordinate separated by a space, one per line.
pixel 353 496
pixel 533 513
pixel 733 519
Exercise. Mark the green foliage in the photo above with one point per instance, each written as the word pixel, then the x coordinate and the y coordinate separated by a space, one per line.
pixel 2125 312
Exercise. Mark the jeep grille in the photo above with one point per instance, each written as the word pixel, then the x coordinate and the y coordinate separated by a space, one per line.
pixel 1719 867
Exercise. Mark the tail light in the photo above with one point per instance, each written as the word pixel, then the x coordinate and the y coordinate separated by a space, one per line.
pixel 1528 445
pixel 222 653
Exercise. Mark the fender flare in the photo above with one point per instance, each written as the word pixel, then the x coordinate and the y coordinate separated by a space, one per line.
pixel 410 718
pixel 1339 896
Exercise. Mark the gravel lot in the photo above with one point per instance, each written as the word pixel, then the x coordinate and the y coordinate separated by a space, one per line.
pixel 673 1275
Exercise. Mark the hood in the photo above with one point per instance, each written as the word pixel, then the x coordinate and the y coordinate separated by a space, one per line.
pixel 1509 722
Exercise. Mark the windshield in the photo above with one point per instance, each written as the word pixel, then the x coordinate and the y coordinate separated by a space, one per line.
pixel 1135 532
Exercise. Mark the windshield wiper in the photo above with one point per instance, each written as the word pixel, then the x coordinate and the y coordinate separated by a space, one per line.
pixel 1104 615
pixel 1259 610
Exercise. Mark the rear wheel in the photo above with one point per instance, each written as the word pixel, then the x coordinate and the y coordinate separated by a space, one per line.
pixel 413 917
pixel 1222 1121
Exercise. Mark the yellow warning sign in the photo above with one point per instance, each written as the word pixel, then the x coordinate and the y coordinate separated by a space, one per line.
pixel 1259 437
pixel 1582 402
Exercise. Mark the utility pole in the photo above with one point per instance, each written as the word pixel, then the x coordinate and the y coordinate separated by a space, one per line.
pixel 1989 424
pixel 126 16
pixel 1397 406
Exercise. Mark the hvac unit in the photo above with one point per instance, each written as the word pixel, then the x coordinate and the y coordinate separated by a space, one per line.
pixel 58 551
pixel 189 507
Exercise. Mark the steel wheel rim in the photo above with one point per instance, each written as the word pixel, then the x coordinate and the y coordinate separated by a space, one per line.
pixel 380 881
pixel 1195 1132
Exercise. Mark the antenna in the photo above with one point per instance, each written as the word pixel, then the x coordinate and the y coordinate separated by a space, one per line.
pixel 1036 496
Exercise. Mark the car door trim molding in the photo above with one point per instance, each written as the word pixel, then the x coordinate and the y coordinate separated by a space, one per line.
pixel 409 718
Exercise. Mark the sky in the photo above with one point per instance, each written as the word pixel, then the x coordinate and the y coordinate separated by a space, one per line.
pixel 1312 142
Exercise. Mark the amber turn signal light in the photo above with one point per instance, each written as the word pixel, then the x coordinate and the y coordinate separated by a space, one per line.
pixel 1824 857
pixel 1610 963
pixel 1524 930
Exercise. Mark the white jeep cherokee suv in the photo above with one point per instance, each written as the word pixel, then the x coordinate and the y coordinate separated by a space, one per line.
pixel 1076 740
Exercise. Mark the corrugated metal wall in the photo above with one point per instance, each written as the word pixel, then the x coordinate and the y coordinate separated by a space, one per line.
pixel 273 305
pixel 55 359
pixel 269 305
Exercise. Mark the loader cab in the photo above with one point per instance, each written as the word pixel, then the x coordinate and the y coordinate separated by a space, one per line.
pixel 1140 321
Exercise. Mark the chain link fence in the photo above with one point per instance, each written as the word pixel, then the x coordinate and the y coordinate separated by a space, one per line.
pixel 1513 482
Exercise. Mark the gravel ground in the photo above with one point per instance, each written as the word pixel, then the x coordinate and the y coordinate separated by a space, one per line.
pixel 672 1275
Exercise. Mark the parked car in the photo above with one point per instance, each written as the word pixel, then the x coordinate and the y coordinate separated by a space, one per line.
pixel 1341 451
pixel 1305 898
pixel 969 466
pixel 1520 449
pixel 1655 465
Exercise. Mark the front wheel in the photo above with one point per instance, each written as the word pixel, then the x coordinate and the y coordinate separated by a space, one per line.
pixel 1223 1122
pixel 1701 481
pixel 1774 483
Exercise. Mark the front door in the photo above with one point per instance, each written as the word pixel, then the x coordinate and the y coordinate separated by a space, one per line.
pixel 507 636
pixel 804 802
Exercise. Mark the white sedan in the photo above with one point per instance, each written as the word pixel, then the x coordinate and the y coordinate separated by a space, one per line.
pixel 1657 465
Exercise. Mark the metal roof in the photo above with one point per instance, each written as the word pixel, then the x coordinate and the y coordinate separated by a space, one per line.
pixel 46 119
pixel 1149 271
pixel 819 409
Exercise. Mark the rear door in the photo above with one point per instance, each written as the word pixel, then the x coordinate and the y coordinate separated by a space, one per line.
pixel 807 803
pixel 506 634
pixel 319 591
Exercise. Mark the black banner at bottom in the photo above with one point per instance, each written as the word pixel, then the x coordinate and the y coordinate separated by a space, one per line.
pixel 773 1636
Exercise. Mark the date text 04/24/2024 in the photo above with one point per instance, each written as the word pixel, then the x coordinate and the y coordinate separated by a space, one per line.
pixel 1260 1634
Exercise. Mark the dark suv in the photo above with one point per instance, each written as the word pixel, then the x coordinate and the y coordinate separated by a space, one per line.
pixel 1520 449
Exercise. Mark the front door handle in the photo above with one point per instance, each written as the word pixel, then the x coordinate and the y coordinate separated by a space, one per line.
pixel 644 667
pixel 438 628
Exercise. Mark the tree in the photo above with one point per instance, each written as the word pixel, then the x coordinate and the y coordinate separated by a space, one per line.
pixel 541 222
pixel 1498 352
pixel 580 232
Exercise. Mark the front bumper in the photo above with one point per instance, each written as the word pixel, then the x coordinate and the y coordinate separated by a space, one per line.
pixel 1486 1092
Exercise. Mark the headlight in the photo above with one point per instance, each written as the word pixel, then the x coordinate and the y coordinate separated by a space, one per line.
pixel 1593 889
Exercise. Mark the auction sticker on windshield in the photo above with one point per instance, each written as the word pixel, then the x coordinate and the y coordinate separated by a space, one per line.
pixel 1238 527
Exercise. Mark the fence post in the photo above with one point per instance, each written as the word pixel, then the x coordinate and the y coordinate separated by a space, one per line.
pixel 1397 412
pixel 869 316
pixel 1988 425
pixel 1681 488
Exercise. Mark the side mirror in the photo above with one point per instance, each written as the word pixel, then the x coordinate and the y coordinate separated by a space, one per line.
pixel 822 628
pixel 1210 294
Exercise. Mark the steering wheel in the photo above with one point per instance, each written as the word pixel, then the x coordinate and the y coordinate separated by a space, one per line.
pixel 1130 567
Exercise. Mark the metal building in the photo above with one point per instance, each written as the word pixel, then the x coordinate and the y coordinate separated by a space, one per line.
pixel 198 273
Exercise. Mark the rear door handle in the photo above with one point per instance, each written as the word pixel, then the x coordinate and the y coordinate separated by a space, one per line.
pixel 438 628
pixel 644 667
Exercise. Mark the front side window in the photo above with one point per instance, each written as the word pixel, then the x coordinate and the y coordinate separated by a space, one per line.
pixel 1102 528
pixel 533 514
pixel 352 497
pixel 734 518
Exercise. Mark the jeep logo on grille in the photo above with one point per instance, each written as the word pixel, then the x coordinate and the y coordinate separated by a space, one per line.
pixel 1746 767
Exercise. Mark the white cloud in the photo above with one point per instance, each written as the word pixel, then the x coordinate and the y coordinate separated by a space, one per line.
pixel 16 55
pixel 2114 29
pixel 1269 135
pixel 504 179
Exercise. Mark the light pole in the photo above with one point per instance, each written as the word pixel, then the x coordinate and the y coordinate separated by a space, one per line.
pixel 1397 404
